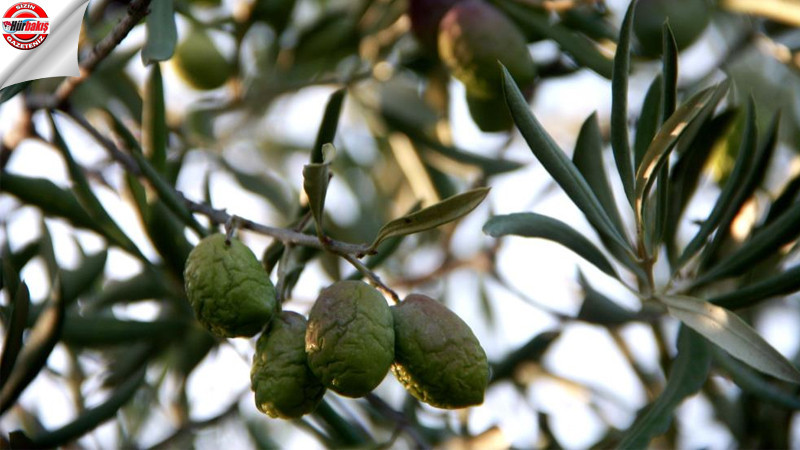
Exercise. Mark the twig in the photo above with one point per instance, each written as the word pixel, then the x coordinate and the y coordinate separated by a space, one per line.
pixel 401 421
pixel 219 216
pixel 191 426
pixel 373 277
pixel 136 11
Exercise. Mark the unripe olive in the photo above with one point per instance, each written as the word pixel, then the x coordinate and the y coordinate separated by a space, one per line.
pixel 350 338
pixel 687 19
pixel 473 37
pixel 283 383
pixel 200 63
pixel 230 292
pixel 437 357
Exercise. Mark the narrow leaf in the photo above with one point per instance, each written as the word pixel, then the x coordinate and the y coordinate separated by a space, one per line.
pixel 51 199
pixel 755 173
pixel 9 92
pixel 107 331
pixel 539 226
pixel 649 120
pixel 14 330
pixel 37 348
pixel 687 375
pixel 669 70
pixel 765 243
pixel 91 417
pixel 530 352
pixel 330 121
pixel 582 49
pixel 749 381
pixel 619 105
pixel 784 283
pixel 663 143
pixel 315 183
pixel 78 281
pixel 685 175
pixel 599 309
pixel 557 164
pixel 788 195
pixel 162 33
pixel 446 211
pixel 588 159
pixel 732 334
pixel 154 123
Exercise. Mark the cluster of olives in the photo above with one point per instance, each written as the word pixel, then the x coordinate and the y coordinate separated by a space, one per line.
pixel 351 340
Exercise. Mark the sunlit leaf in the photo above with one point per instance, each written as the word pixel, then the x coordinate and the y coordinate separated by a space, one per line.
pixel 687 375
pixel 557 164
pixel 619 105
pixel 446 211
pixel 539 226
pixel 162 33
pixel 732 334
pixel 663 143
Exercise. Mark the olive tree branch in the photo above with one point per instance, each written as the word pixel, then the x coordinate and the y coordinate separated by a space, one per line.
pixel 220 216
pixel 136 11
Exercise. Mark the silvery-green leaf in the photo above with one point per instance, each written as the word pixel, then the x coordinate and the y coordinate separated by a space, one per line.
pixel 162 34
pixel 731 333
pixel 433 216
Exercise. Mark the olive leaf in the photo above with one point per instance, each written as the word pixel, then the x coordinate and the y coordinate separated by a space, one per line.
pixel 539 226
pixel 433 216
pixel 327 129
pixel 155 133
pixel 749 381
pixel 687 375
pixel 316 177
pixel 663 143
pixel 162 33
pixel 731 333
pixel 620 142
pixel 599 309
pixel 15 327
pixel 781 284
pixel 557 164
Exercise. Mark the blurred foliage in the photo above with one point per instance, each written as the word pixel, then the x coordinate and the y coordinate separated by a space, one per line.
pixel 200 102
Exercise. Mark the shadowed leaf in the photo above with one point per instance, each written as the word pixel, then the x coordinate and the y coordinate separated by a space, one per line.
pixel 539 226
pixel 619 105
pixel 154 123
pixel 18 321
pixel 783 283
pixel 687 375
pixel 557 164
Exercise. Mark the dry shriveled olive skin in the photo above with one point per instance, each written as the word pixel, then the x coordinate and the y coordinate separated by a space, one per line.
pixel 230 292
pixel 437 357
pixel 350 338
pixel 283 383
pixel 473 36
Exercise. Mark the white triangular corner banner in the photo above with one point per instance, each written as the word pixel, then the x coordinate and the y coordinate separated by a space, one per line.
pixel 40 39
